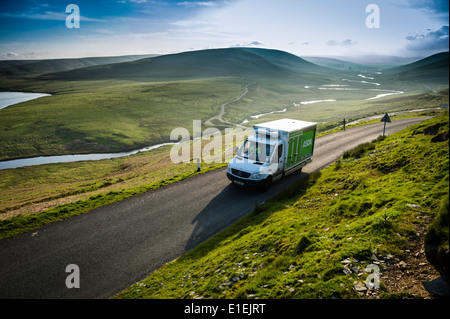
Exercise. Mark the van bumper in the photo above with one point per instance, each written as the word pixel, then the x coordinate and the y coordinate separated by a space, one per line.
pixel 243 181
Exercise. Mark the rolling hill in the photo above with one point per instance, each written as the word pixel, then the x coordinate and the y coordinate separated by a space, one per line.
pixel 433 69
pixel 20 68
pixel 241 62
pixel 334 63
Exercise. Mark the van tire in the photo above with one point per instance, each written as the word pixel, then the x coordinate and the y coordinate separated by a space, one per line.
pixel 267 184
pixel 298 171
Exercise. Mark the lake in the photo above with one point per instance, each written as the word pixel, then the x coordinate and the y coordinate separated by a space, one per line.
pixel 11 98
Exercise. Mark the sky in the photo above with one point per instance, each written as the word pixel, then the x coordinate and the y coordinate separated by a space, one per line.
pixel 31 29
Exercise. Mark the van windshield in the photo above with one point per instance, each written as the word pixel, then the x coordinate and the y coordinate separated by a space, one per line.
pixel 256 151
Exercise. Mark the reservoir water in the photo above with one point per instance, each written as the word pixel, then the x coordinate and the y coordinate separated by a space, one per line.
pixel 11 98
pixel 70 158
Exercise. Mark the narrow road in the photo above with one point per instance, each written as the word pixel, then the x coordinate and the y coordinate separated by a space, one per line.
pixel 119 244
pixel 222 110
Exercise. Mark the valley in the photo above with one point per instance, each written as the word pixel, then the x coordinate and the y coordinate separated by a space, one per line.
pixel 119 107
pixel 89 116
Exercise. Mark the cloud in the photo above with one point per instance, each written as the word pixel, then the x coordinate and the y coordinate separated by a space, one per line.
pixel 46 15
pixel 192 4
pixel 131 1
pixel 9 55
pixel 189 23
pixel 437 8
pixel 18 56
pixel 346 42
pixel 246 44
pixel 430 40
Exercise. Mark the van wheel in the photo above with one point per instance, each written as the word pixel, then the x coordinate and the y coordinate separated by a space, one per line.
pixel 267 184
pixel 298 171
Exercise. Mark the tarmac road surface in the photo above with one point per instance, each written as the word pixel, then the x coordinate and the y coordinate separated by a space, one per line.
pixel 119 244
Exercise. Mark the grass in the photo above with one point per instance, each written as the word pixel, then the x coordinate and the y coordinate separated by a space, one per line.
pixel 22 223
pixel 332 127
pixel 108 116
pixel 349 105
pixel 293 246
pixel 33 196
pixel 361 149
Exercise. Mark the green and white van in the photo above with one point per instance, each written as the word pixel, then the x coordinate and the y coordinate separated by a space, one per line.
pixel 275 149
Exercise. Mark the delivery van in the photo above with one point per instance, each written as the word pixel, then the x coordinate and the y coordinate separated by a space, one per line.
pixel 274 150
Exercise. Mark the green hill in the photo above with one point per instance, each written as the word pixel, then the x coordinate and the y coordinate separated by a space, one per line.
pixel 316 239
pixel 433 69
pixel 241 62
pixel 337 63
pixel 20 68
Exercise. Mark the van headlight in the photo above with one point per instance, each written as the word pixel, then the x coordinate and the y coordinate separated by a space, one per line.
pixel 229 169
pixel 256 175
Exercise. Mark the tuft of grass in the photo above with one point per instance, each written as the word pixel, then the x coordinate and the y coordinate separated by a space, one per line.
pixel 437 240
pixel 358 151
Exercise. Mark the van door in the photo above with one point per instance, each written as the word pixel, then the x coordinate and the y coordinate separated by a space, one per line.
pixel 294 148
pixel 298 155
pixel 277 161
pixel 280 160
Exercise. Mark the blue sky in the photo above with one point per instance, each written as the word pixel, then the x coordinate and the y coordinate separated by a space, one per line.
pixel 33 29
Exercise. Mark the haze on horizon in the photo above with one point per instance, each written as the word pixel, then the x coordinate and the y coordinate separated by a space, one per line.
pixel 407 28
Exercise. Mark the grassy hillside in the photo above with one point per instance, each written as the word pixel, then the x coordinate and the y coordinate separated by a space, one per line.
pixel 435 58
pixel 315 239
pixel 339 64
pixel 28 68
pixel 433 69
pixel 109 116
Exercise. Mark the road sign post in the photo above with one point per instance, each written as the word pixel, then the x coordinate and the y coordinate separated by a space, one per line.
pixel 385 119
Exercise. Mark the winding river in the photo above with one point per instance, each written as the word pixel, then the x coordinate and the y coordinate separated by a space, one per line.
pixel 11 98
pixel 71 158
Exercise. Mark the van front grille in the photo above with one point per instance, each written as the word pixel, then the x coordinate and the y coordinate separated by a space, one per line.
pixel 240 173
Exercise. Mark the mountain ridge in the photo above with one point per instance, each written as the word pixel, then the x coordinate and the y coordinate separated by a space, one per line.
pixel 200 64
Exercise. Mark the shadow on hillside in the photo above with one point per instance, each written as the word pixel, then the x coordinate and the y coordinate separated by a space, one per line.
pixel 234 203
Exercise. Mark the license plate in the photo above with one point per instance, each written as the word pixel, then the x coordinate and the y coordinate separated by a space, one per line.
pixel 238 182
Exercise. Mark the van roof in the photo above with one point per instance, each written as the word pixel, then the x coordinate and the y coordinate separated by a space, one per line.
pixel 286 125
